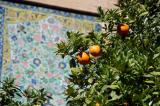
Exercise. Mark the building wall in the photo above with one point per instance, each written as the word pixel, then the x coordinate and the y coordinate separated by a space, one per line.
pixel 83 5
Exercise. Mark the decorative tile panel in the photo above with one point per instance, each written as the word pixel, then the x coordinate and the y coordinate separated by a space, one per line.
pixel 28 40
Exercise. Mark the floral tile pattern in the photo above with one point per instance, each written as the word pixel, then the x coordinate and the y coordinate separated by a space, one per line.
pixel 2 11
pixel 28 43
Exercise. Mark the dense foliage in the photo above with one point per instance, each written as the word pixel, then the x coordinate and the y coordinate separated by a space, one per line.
pixel 9 94
pixel 127 72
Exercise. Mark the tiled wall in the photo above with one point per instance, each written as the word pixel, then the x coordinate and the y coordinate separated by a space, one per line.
pixel 28 37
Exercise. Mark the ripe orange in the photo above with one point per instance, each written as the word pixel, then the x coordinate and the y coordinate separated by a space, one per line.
pixel 36 105
pixel 83 58
pixel 95 50
pixel 123 29
pixel 97 104
pixel 126 104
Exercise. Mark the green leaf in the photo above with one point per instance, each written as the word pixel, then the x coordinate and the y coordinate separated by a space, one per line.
pixel 149 82
pixel 144 13
pixel 72 63
pixel 115 96
pixel 90 80
pixel 100 11
pixel 41 90
pixel 113 86
pixel 74 71
pixel 88 100
pixel 104 88
pixel 49 97
pixel 78 97
pixel 155 93
pixel 147 97
pixel 155 73
pixel 19 94
pixel 156 55
pixel 84 104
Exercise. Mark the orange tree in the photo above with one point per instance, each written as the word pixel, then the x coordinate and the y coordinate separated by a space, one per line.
pixel 120 65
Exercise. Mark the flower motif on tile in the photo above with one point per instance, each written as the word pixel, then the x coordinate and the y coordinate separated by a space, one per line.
pixel 56 39
pixel 21 42
pixel 34 81
pixel 98 27
pixel 38 38
pixel 25 64
pixel 50 44
pixel 36 61
pixel 14 38
pixel 30 73
pixel 24 55
pixel 51 21
pixel 45 26
pixel 62 65
pixel 50 75
pixel 29 39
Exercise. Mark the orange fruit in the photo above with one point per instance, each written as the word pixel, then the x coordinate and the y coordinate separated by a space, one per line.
pixel 36 105
pixel 97 104
pixel 79 81
pixel 126 104
pixel 123 29
pixel 83 58
pixel 95 50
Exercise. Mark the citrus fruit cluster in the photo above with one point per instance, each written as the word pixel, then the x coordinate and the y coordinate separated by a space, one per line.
pixel 95 50
pixel 84 57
